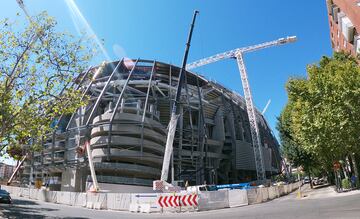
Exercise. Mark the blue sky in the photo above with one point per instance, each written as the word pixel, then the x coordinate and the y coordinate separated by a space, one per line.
pixel 158 30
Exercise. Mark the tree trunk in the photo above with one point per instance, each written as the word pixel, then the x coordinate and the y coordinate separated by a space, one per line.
pixel 331 177
pixel 311 184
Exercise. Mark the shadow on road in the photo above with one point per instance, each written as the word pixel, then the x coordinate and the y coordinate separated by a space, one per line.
pixel 75 218
pixel 30 209
pixel 23 209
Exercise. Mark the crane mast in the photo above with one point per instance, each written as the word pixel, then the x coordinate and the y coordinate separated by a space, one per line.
pixel 254 129
pixel 162 184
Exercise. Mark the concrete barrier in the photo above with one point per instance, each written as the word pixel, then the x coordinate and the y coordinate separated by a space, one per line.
pixel 78 199
pixel 134 207
pixel 213 200
pixel 96 200
pixel 146 202
pixel 238 198
pixel 286 189
pixel 41 196
pixel 51 196
pixel 254 196
pixel 277 191
pixel 33 193
pixel 24 192
pixel 118 201
pixel 17 191
pixel 272 192
pixel 281 190
pixel 259 195
pixel 63 198
pixel 264 194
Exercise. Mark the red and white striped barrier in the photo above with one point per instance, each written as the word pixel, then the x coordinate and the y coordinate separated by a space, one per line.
pixel 169 201
pixel 178 201
pixel 189 200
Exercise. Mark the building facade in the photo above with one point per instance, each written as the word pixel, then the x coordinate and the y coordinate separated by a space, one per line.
pixel 6 171
pixel 344 22
pixel 126 122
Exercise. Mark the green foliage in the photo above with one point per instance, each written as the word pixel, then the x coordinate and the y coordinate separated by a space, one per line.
pixel 38 65
pixel 291 149
pixel 345 183
pixel 322 116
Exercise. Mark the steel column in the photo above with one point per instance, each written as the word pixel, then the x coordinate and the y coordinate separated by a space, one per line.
pixel 102 93
pixel 117 105
pixel 145 106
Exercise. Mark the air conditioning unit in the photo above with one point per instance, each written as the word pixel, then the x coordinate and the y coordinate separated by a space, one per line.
pixel 340 15
pixel 347 29
pixel 357 44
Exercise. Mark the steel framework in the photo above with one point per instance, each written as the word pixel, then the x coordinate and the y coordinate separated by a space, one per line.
pixel 134 108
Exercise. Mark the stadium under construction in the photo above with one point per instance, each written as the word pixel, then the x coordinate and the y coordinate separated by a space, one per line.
pixel 212 141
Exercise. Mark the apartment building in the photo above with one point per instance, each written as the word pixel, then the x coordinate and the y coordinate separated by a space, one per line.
pixel 344 22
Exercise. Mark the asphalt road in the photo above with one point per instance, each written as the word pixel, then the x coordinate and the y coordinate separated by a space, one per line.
pixel 318 203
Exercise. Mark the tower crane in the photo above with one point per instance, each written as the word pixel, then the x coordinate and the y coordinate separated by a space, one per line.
pixel 254 129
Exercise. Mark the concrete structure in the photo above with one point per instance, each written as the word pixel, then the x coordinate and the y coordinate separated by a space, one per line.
pixel 212 141
pixel 6 170
pixel 344 21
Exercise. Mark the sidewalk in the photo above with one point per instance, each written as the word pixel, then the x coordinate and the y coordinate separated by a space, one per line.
pixel 321 192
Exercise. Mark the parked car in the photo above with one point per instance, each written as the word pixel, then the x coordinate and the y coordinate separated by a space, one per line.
pixel 315 181
pixel 318 181
pixel 5 197
pixel 306 180
pixel 4 191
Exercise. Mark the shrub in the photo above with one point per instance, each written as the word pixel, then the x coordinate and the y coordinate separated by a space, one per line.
pixel 346 183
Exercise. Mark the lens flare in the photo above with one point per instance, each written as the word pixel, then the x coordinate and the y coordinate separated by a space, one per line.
pixel 81 23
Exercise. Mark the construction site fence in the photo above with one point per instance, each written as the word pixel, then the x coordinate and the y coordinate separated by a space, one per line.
pixel 157 202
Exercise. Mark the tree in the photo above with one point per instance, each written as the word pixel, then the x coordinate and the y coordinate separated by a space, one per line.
pixel 327 117
pixel 38 66
pixel 325 112
pixel 289 147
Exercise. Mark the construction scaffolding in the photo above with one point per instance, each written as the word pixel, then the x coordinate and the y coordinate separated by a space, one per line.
pixel 125 124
